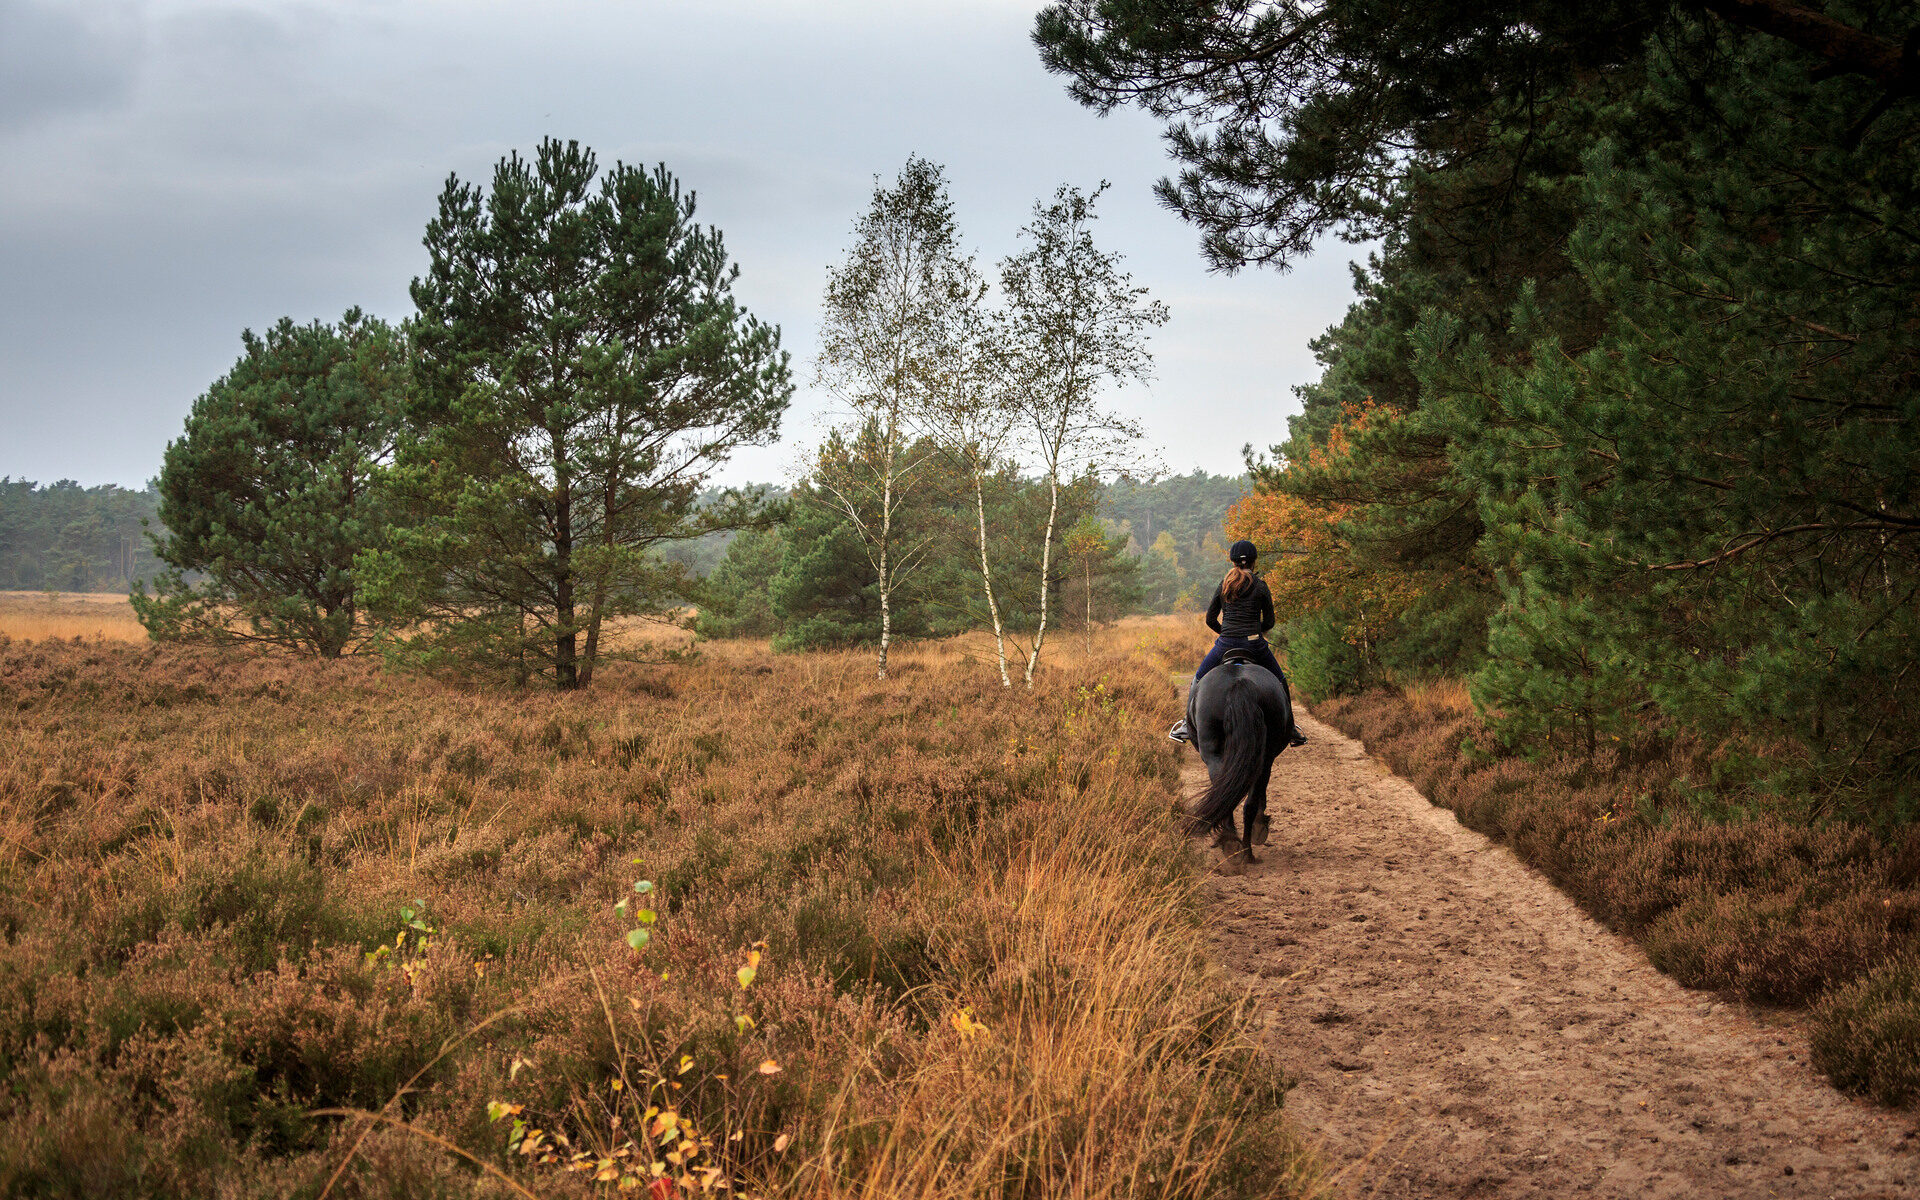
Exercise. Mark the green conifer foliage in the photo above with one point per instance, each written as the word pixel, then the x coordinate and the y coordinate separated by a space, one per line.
pixel 583 368
pixel 825 592
pixel 1717 499
pixel 275 487
pixel 734 599
pixel 1630 400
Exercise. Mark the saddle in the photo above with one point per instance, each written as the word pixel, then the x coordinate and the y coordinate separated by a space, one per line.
pixel 1239 655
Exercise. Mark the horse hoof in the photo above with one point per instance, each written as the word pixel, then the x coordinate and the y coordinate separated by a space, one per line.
pixel 1261 828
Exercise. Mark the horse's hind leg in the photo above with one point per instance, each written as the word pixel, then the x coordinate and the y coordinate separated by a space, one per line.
pixel 1223 839
pixel 1258 826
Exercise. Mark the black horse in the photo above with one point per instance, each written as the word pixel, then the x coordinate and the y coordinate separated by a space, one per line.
pixel 1241 720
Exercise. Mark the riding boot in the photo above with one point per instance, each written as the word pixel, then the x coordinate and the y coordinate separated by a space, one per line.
pixel 1180 732
pixel 1296 738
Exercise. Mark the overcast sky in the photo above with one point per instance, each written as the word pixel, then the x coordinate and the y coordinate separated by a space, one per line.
pixel 178 170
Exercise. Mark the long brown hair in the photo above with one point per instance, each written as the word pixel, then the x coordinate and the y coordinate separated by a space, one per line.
pixel 1239 582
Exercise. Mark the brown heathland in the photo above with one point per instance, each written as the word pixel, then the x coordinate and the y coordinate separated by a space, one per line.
pixel 241 891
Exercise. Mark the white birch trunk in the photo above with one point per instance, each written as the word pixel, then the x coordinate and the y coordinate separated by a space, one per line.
pixel 886 546
pixel 1089 582
pixel 986 579
pixel 1046 568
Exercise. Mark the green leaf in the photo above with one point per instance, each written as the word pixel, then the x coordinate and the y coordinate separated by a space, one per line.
pixel 621 908
pixel 638 938
pixel 497 1109
pixel 643 887
pixel 745 975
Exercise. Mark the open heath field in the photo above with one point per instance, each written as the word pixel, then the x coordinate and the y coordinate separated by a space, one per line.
pixel 38 616
pixel 741 925
pixel 106 616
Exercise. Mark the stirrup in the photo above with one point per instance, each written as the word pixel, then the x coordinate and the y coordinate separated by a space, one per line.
pixel 1180 733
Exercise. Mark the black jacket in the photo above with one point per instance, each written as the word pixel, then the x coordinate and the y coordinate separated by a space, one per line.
pixel 1248 614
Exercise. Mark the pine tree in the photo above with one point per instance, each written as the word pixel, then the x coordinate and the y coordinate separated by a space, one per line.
pixel 735 599
pixel 583 369
pixel 275 488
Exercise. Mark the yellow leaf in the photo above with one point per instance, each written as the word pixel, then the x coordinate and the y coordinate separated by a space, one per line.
pixel 781 1143
pixel 964 1023
pixel 617 1085
pixel 769 1067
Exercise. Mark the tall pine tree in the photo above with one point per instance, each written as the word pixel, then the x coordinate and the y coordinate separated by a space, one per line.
pixel 583 369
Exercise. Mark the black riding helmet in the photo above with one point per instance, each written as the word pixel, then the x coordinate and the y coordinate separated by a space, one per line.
pixel 1242 553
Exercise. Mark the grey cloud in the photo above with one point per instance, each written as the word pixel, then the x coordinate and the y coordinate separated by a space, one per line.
pixel 61 57
pixel 225 162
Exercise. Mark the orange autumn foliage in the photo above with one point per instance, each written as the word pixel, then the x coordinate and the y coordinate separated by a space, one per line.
pixel 1309 555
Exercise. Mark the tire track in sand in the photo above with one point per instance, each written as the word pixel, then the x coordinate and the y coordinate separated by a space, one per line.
pixel 1457 1027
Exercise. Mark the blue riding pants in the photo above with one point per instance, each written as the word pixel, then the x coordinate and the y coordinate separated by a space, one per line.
pixel 1257 649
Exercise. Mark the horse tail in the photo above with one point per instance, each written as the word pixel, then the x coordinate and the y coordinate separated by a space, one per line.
pixel 1242 760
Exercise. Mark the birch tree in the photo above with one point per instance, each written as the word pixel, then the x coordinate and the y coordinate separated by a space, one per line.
pixel 880 341
pixel 972 415
pixel 1077 326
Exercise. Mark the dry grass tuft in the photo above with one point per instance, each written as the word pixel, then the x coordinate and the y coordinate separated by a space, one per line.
pixel 1446 697
pixel 239 893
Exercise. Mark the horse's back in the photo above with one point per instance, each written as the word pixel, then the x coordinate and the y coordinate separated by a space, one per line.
pixel 1209 695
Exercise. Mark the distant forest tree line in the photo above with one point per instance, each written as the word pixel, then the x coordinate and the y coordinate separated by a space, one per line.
pixel 1625 423
pixel 492 486
pixel 67 538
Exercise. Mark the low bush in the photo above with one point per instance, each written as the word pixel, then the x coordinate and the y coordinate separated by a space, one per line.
pixel 1723 891
pixel 791 931
pixel 1867 1033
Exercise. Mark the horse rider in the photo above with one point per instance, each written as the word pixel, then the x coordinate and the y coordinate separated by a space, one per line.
pixel 1241 613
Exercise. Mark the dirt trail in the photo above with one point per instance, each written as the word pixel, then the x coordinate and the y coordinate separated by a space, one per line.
pixel 1459 1028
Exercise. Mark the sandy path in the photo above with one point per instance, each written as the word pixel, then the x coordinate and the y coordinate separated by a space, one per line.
pixel 1458 1027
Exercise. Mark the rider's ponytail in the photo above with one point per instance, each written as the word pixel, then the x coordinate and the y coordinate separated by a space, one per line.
pixel 1239 582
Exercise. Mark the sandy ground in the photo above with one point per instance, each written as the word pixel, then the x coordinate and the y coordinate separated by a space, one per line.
pixel 1457 1027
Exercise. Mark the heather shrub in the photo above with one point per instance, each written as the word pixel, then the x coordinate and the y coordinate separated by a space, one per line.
pixel 308 919
pixel 1867 1033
